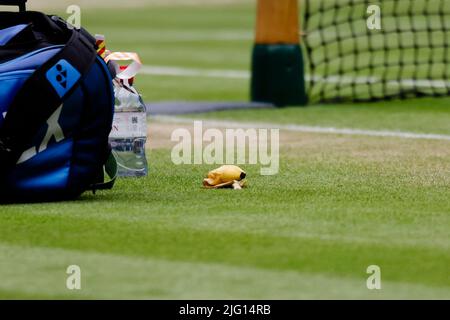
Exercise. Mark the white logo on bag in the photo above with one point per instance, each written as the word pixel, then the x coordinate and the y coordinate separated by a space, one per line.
pixel 54 130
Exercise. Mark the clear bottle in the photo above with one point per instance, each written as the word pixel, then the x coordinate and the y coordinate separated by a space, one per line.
pixel 129 134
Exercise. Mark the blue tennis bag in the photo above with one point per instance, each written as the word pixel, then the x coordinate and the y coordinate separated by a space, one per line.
pixel 56 110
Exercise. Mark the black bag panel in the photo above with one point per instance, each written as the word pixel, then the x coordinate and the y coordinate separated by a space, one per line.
pixel 41 33
pixel 91 140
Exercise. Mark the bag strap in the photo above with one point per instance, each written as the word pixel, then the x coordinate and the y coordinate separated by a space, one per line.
pixel 42 94
pixel 110 169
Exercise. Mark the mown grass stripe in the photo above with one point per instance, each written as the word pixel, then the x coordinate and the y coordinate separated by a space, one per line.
pixel 155 240
pixel 38 272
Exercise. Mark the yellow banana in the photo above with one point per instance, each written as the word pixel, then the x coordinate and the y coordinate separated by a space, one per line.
pixel 224 176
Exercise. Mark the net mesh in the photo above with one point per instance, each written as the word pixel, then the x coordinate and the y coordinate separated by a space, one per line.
pixel 348 61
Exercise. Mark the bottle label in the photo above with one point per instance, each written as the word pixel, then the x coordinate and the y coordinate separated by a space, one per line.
pixel 129 125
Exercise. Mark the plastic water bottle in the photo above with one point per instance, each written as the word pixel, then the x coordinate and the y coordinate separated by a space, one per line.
pixel 129 131
pixel 129 134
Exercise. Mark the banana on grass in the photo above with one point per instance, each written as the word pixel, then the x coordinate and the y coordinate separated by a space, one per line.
pixel 227 176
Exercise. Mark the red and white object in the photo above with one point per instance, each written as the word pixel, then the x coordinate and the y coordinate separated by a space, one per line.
pixel 126 72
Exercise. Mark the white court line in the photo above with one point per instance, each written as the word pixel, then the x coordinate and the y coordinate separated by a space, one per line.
pixel 305 129
pixel 242 74
pixel 187 72
pixel 188 35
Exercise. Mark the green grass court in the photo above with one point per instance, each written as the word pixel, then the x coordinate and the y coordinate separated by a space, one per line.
pixel 339 204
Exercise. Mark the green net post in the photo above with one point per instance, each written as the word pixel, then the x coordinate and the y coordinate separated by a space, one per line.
pixel 278 64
